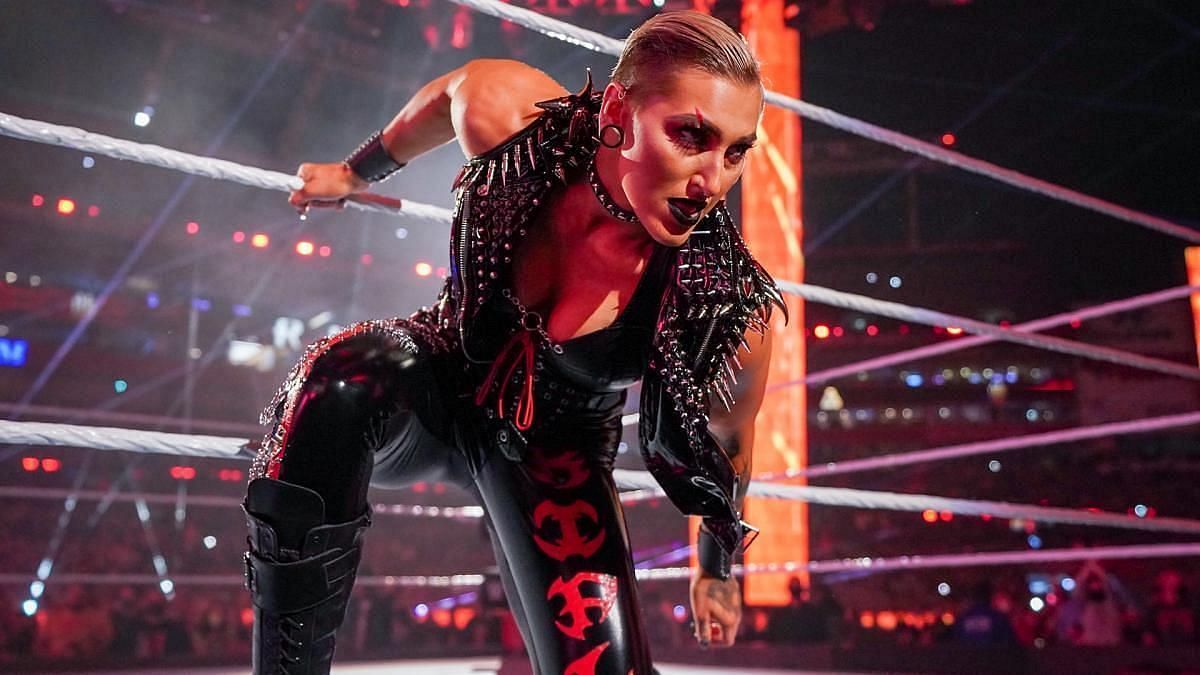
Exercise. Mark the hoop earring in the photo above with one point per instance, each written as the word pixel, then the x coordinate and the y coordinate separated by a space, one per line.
pixel 604 136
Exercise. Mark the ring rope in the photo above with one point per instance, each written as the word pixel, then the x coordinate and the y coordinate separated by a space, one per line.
pixel 895 501
pixel 582 37
pixel 107 438
pixel 215 168
pixel 1058 436
pixel 860 564
pixel 929 317
pixel 909 355
pixel 198 165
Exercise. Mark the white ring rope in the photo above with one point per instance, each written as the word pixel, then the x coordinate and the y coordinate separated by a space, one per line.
pixel 929 317
pixel 561 30
pixel 860 564
pixel 895 501
pixel 63 494
pixel 208 167
pixel 909 355
pixel 107 438
pixel 993 446
pixel 215 168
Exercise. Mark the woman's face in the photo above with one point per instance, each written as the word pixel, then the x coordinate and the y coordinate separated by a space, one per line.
pixel 685 147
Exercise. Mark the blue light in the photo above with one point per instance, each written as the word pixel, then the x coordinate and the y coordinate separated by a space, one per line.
pixel 152 300
pixel 88 161
pixel 1141 511
pixel 1068 584
pixel 30 607
pixel 914 380
pixel 241 310
pixel 1010 377
pixel 939 379
pixel 895 282
pixel 680 612
pixel 13 353
pixel 1034 541
pixel 1039 586
pixel 201 304
pixel 120 386
pixel 421 610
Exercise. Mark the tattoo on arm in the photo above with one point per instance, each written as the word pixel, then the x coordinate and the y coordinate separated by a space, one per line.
pixel 725 594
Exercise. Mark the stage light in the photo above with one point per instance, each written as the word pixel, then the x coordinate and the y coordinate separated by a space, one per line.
pixel 210 542
pixel 166 586
pixel 51 465
pixel 93 211
pixel 242 310
pixel 948 139
pixel 955 330
pixel 424 269
pixel 66 206
pixel 679 612
pixel 872 330
pixel 401 233
pixel 1141 511
pixel 152 300
pixel 193 227
pixel 325 251
pixel 821 331
pixel 895 282
pixel 946 516
pixel 142 117
pixel 260 240
pixel 943 589
pixel 30 607
pixel 304 248
pixel 88 161
pixel 872 277
pixel 838 331
pixel 929 516
pixel 1034 541
pixel 30 464
pixel 421 611
pixel 994 466
pixel 36 589
pixel 239 237
pixel 37 200
pixel 1067 583
pixel 1037 604
pixel 366 259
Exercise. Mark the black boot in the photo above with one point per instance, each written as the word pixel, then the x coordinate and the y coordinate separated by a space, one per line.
pixel 299 571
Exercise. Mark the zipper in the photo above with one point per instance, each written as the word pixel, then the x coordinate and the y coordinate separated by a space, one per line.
pixel 712 327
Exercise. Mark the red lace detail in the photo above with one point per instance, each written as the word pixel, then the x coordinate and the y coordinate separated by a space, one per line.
pixel 519 350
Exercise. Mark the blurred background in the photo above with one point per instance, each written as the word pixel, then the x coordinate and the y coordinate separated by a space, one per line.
pixel 208 290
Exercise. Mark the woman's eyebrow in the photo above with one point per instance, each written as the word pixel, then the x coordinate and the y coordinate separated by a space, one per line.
pixel 697 118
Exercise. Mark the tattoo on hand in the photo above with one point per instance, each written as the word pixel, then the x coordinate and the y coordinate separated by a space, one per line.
pixel 725 594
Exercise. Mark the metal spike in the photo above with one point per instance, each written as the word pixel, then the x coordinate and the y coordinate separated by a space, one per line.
pixel 529 149
pixel 516 151
pixel 504 169
pixel 491 172
pixel 725 363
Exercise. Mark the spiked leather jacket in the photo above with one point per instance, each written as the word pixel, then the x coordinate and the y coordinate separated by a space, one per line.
pixel 716 293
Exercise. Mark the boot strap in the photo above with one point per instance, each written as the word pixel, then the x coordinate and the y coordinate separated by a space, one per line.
pixel 287 588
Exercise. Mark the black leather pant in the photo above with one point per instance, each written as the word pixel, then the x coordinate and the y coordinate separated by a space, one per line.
pixel 371 409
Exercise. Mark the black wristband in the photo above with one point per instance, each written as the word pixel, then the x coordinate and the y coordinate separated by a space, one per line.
pixel 371 161
pixel 712 559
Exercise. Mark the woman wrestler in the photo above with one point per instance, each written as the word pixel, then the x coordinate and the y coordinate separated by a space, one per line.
pixel 590 249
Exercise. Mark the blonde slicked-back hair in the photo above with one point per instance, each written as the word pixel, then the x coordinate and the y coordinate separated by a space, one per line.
pixel 683 39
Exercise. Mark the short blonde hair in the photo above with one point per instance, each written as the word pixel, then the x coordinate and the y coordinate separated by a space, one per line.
pixel 683 39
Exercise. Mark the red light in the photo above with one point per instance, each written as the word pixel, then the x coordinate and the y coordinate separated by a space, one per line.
pixel 1076 323
pixel 904 329
pixel 872 330
pixel 51 465
pixel 304 247
pixel 420 487
pixel 231 475
pixel 37 200
pixel 838 331
pixel 183 472
pixel 460 33
pixel 260 240
pixel 946 516
pixel 948 139
pixel 929 515
pixel 442 271
pixel 247 617
pixel 821 331
pixel 193 227
pixel 367 259
pixel 93 211
pixel 325 251
pixel 986 517
pixel 30 463
pixel 424 269
pixel 239 237
pixel 66 207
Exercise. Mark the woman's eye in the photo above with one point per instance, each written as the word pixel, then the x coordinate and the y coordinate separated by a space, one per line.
pixel 691 137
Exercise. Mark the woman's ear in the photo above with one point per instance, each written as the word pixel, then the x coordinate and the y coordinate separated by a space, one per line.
pixel 613 106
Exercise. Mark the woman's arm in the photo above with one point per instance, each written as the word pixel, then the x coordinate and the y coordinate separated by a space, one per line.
pixel 717 601
pixel 480 104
